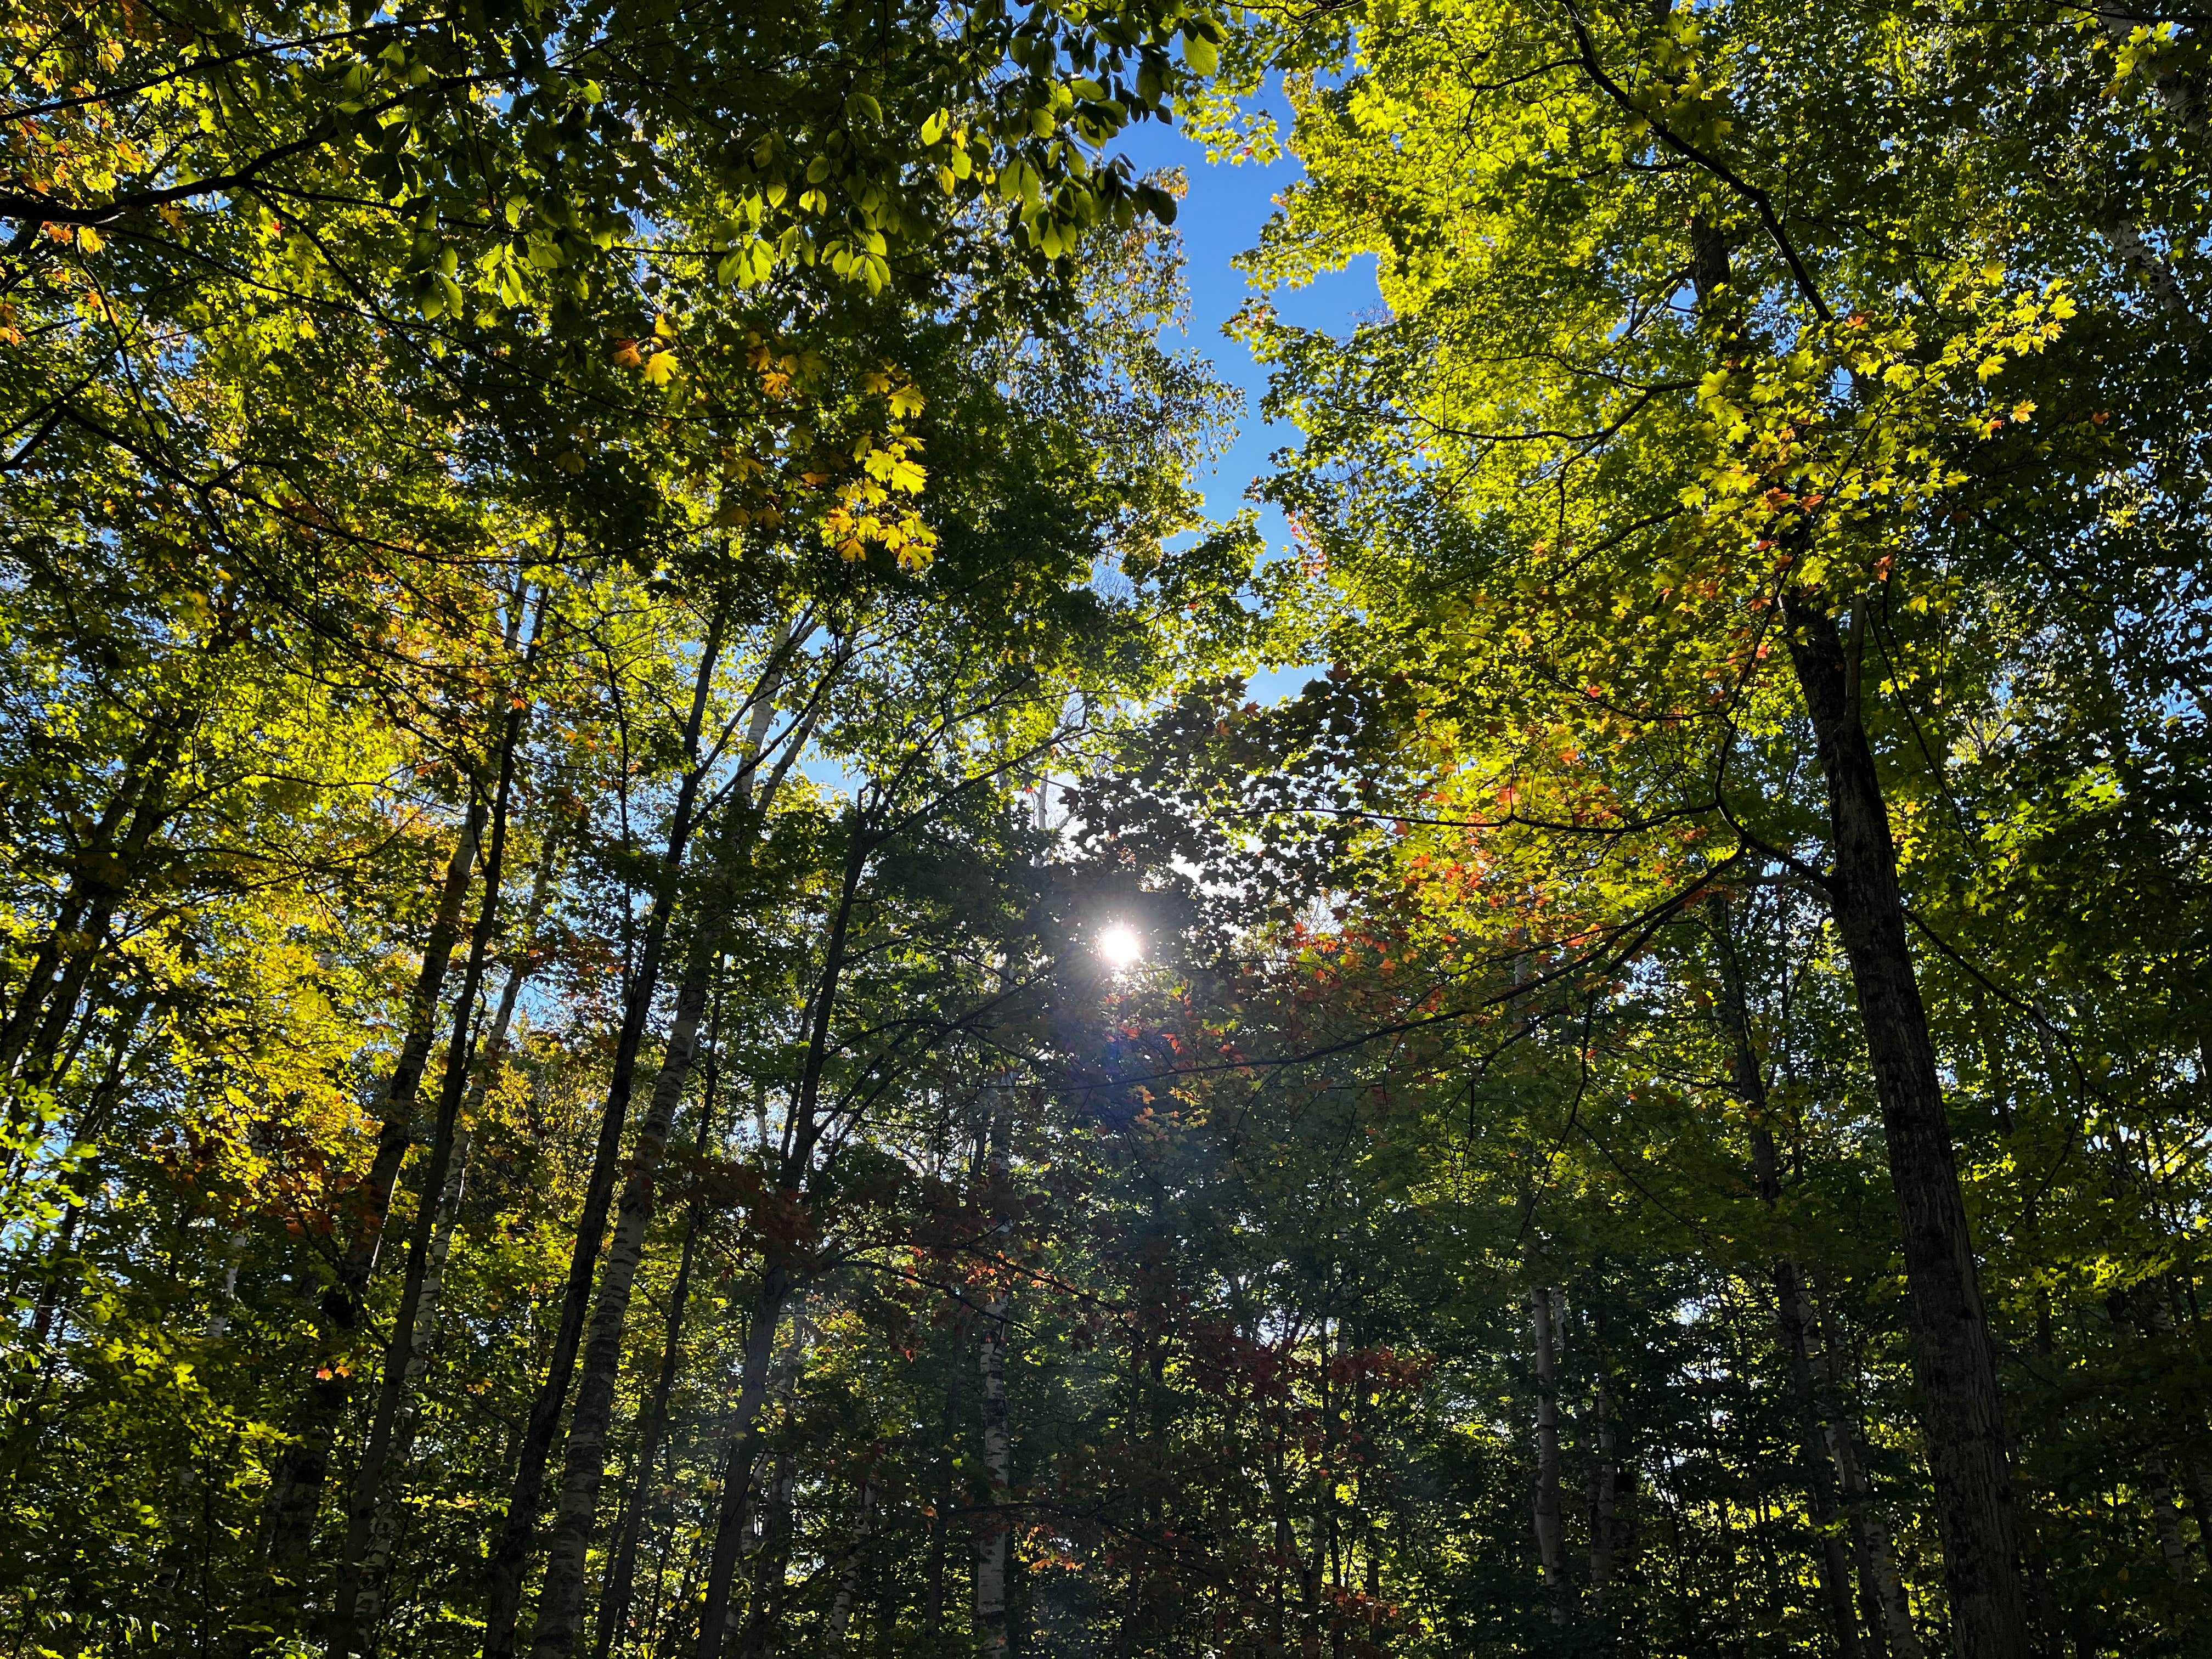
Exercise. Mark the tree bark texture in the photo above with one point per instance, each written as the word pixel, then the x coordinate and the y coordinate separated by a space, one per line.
pixel 994 1531
pixel 848 1575
pixel 295 1486
pixel 561 1601
pixel 1545 1498
pixel 714 1620
pixel 1955 1359
pixel 369 1556
pixel 510 1555
pixel 1747 1081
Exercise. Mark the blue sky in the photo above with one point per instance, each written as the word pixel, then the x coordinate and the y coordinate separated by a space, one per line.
pixel 1220 219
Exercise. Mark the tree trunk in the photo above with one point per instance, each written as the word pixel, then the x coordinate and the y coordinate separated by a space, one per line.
pixel 373 1551
pixel 2166 1512
pixel 1747 1079
pixel 771 1562
pixel 2140 1314
pixel 995 1532
pixel 383 1532
pixel 941 1522
pixel 510 1556
pixel 1881 1588
pixel 561 1601
pixel 1546 1497
pixel 348 1639
pixel 615 1596
pixel 81 922
pixel 84 1181
pixel 1604 1518
pixel 295 1486
pixel 802 1130
pixel 848 1576
pixel 1955 1359
pixel 715 1621
pixel 2166 1304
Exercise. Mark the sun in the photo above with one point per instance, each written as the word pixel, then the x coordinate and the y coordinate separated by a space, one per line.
pixel 1120 946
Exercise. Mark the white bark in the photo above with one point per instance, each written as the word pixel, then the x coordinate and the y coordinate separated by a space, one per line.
pixel 848 1579
pixel 994 1534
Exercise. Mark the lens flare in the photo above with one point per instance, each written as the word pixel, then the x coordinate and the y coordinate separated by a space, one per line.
pixel 1120 947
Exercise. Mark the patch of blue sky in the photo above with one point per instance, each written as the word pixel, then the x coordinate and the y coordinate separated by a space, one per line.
pixel 1222 217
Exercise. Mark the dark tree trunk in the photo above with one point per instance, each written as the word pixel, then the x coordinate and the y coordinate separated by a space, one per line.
pixel 1954 1360
pixel 772 1564
pixel 715 1619
pixel 109 852
pixel 1747 1080
pixel 354 1617
pixel 1544 1495
pixel 510 1556
pixel 802 1132
pixel 295 1486
pixel 614 1595
pixel 561 1601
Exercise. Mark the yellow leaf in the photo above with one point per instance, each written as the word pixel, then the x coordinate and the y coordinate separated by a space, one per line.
pixel 661 369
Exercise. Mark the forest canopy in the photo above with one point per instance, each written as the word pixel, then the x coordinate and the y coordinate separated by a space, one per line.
pixel 664 994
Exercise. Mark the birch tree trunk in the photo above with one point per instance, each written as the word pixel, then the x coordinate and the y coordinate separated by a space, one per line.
pixel 561 1601
pixel 375 1559
pixel 510 1554
pixel 848 1576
